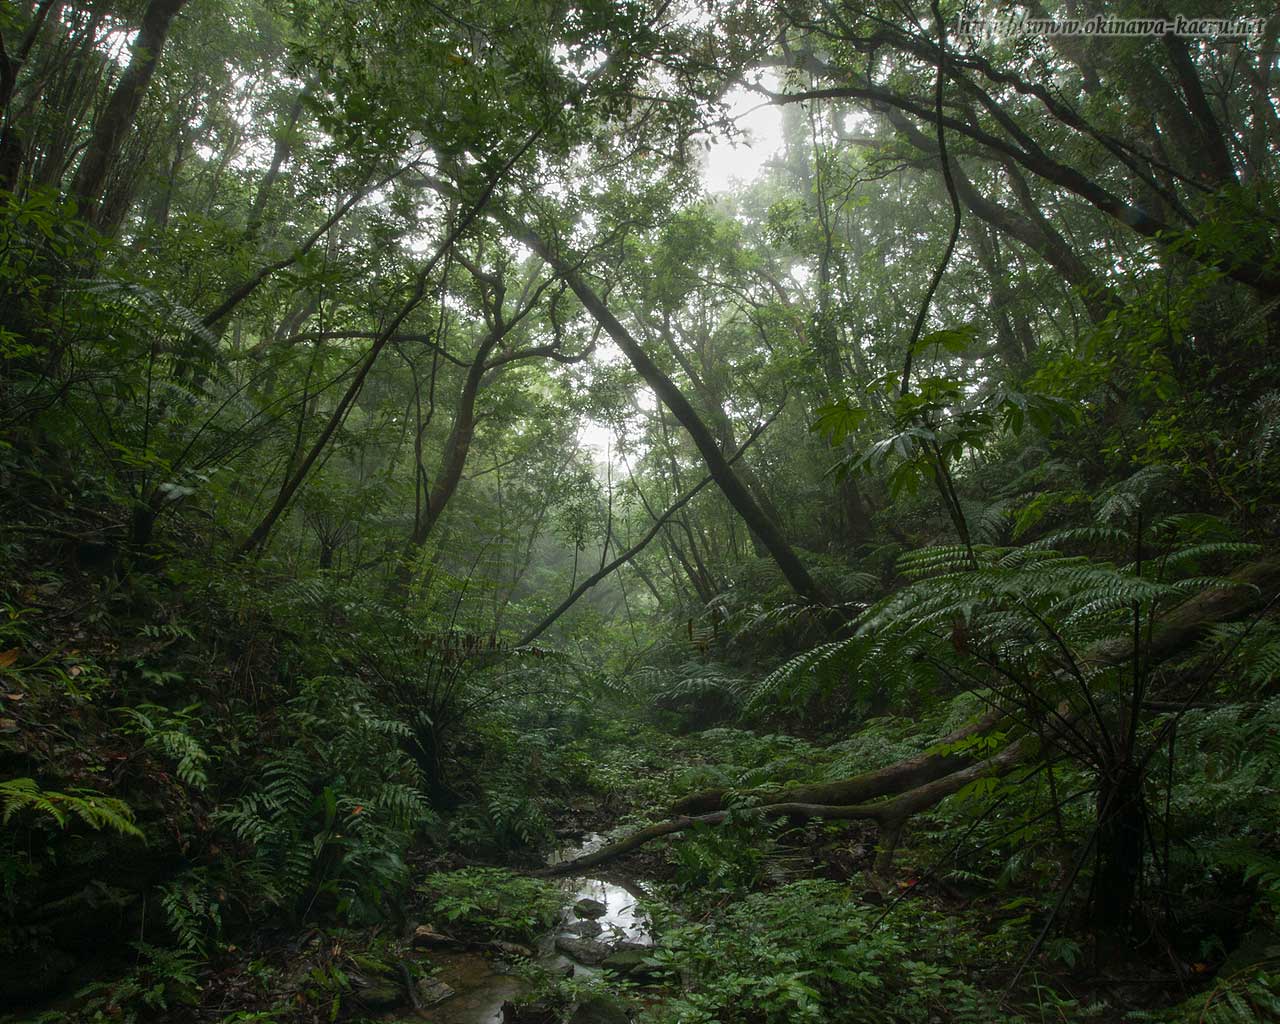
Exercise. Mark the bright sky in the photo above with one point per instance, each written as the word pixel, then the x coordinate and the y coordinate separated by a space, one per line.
pixel 726 165
pixel 761 125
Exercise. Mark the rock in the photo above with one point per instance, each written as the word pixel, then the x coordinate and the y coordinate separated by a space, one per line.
pixel 511 949
pixel 379 993
pixel 587 928
pixel 432 991
pixel 632 962
pixel 528 1013
pixel 424 936
pixel 599 1009
pixel 589 908
pixel 586 951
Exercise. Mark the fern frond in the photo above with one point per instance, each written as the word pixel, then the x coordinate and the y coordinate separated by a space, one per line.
pixel 91 807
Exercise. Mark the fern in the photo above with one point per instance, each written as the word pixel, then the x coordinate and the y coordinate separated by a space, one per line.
pixel 170 733
pixel 89 806
pixel 1246 997
pixel 192 911
pixel 335 810
pixel 1254 652
pixel 1267 432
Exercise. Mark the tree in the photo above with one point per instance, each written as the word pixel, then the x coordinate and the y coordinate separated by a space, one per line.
pixel 116 120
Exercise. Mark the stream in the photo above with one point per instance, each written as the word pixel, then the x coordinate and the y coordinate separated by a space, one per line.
pixel 482 984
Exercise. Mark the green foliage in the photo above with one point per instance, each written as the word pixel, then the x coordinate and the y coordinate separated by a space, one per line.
pixel 491 903
pixel 170 732
pixel 809 951
pixel 703 691
pixel 1226 787
pixel 253 300
pixel 1244 997
pixel 89 806
pixel 163 980
pixel 1026 604
pixel 717 859
pixel 192 910
pixel 333 813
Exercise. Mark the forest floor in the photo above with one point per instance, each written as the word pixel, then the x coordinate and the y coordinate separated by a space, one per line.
pixel 748 923
pixel 490 945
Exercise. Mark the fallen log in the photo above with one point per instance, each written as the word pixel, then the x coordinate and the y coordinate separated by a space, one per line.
pixel 893 794
pixel 894 778
pixel 1188 623
pixel 1180 628
pixel 889 814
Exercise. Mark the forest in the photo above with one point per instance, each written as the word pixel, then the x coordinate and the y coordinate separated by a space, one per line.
pixel 657 511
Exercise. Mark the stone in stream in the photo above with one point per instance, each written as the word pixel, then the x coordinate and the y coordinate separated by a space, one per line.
pixel 379 993
pixel 426 936
pixel 589 908
pixel 511 949
pixel 587 928
pixel 432 991
pixel 585 951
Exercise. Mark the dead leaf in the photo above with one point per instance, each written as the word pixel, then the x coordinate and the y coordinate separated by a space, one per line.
pixel 8 657
pixel 8 725
pixel 14 696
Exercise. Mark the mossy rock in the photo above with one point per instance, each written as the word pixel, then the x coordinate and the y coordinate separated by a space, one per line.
pixel 599 1008
pixel 632 963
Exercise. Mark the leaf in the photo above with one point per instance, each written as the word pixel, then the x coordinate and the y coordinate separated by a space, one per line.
pixel 838 420
pixel 954 339
pixel 7 658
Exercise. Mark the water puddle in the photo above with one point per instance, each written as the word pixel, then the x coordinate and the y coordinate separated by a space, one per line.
pixel 482 985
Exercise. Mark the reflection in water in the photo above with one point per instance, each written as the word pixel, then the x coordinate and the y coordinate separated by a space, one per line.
pixel 622 918
pixel 482 985
pixel 481 989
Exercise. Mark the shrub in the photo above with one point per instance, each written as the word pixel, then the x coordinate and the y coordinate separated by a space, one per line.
pixel 492 903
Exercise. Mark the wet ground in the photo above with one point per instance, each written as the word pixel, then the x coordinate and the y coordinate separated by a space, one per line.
pixel 482 984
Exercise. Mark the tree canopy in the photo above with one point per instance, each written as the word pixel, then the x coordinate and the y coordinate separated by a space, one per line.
pixel 411 454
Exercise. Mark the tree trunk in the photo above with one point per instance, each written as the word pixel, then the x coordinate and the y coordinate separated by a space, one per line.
pixel 890 814
pixel 454 457
pixel 1120 845
pixel 726 479
pixel 280 155
pixel 906 774
pixel 117 118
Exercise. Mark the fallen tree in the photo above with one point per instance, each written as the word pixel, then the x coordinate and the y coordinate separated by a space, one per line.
pixel 904 775
pixel 1182 627
pixel 889 814
pixel 891 795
